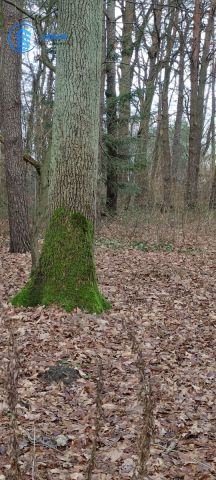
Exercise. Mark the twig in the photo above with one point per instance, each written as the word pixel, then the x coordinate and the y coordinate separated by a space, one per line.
pixel 146 401
pixel 33 459
pixel 11 384
pixel 22 10
pixel 37 20
pixel 99 415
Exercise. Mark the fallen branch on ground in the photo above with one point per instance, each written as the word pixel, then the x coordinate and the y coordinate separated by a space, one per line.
pixel 147 404
pixel 11 386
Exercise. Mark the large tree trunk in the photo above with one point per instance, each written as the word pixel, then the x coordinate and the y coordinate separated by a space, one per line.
pixel 111 111
pixel 12 133
pixel 65 274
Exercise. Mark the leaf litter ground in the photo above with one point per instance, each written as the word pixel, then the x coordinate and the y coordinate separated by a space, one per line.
pixel 168 299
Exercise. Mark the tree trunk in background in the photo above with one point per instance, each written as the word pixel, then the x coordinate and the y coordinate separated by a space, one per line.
pixel 31 174
pixel 43 156
pixel 177 147
pixel 1 63
pixel 111 111
pixel 146 106
pixel 212 200
pixel 100 181
pixel 165 149
pixel 12 132
pixel 193 161
pixel 3 193
pixel 157 148
pixel 156 154
pixel 65 274
pixel 166 159
pixel 198 83
pixel 125 86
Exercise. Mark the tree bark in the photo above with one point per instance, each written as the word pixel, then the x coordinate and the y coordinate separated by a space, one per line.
pixel 177 146
pixel 111 112
pixel 146 106
pixel 101 162
pixel 125 83
pixel 166 160
pixel 212 200
pixel 198 83
pixel 42 137
pixel 3 192
pixel 65 274
pixel 193 162
pixel 12 133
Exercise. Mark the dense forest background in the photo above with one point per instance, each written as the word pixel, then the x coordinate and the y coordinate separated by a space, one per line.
pixel 157 108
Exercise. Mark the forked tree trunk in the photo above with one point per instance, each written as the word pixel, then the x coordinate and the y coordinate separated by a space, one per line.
pixel 65 274
pixel 12 133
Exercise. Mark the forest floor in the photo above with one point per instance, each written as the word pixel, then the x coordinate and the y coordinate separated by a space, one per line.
pixel 161 327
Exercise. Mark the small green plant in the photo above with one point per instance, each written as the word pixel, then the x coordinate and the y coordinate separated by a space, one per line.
pixel 162 246
pixel 8 413
pixel 141 246
pixel 148 247
pixel 107 242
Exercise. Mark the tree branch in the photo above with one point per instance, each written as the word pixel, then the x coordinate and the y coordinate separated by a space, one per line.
pixel 27 158
pixel 35 18
pixel 22 10
pixel 44 55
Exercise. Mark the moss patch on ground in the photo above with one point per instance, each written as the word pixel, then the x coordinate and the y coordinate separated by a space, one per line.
pixel 66 273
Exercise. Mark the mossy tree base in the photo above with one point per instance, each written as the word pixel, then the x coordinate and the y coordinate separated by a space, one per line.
pixel 65 274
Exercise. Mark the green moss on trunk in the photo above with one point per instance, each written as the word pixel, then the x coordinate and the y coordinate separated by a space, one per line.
pixel 65 274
